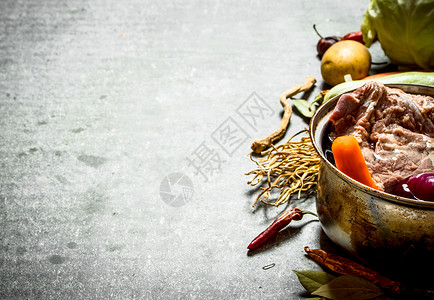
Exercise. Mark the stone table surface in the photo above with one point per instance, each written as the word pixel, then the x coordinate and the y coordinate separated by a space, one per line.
pixel 124 133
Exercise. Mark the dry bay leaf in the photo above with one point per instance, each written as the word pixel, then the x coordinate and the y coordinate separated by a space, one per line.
pixel 313 280
pixel 348 287
pixel 304 107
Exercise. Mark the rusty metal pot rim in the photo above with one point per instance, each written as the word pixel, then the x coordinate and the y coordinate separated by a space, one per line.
pixel 326 109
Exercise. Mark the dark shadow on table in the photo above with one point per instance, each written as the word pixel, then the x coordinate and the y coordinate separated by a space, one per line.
pixel 419 280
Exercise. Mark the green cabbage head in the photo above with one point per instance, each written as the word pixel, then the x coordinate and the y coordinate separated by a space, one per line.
pixel 405 30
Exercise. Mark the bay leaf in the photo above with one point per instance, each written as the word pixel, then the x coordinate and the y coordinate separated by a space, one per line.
pixel 313 280
pixel 304 107
pixel 348 287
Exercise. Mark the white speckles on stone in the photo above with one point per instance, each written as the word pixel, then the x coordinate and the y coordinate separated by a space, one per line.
pixel 100 100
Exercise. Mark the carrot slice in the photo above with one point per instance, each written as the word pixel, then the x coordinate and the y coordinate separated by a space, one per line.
pixel 379 75
pixel 350 161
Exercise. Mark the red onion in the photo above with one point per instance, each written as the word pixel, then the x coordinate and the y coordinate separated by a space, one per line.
pixel 420 187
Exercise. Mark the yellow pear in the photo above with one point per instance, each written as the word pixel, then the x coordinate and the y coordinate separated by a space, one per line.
pixel 345 58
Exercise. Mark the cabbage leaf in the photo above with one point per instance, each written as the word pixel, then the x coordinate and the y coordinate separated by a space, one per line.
pixel 405 30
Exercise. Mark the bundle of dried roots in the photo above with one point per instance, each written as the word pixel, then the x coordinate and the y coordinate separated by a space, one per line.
pixel 291 167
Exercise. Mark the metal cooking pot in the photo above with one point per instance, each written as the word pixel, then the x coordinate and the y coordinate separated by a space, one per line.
pixel 376 227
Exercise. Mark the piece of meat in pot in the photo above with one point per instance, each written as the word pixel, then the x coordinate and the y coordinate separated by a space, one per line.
pixel 395 131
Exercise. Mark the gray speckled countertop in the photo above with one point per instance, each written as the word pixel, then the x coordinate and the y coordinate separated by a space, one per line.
pixel 124 129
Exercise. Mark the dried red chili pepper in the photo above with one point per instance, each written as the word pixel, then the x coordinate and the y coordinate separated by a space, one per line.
pixel 324 42
pixel 280 222
pixel 355 36
pixel 346 266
